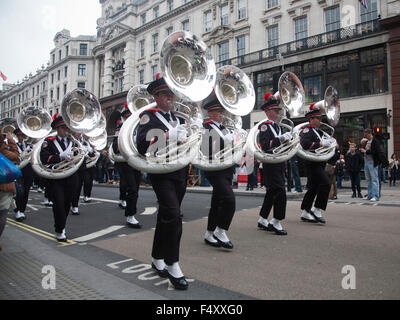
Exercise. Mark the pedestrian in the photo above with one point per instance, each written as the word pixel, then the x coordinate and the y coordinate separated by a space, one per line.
pixel 339 171
pixel 330 169
pixel 374 156
pixel 354 163
pixel 8 148
pixel 393 169
pixel 294 164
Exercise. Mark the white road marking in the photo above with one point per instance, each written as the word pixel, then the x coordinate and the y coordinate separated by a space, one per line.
pixel 149 211
pixel 32 207
pixel 97 234
pixel 106 200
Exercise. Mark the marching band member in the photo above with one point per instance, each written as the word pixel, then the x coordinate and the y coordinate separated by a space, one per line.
pixel 125 114
pixel 271 136
pixel 85 176
pixel 54 150
pixel 312 138
pixel 223 203
pixel 24 183
pixel 170 188
pixel 129 182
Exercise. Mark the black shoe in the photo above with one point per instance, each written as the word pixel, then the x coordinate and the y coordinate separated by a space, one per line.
pixel 134 225
pixel 161 273
pixel 354 195
pixel 62 240
pixel 319 219
pixel 308 220
pixel 262 227
pixel 360 195
pixel 278 232
pixel 226 245
pixel 213 244
pixel 121 206
pixel 178 283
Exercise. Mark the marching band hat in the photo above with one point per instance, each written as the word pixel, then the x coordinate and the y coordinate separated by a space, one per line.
pixel 211 103
pixel 313 112
pixel 158 85
pixel 125 112
pixel 270 102
pixel 57 121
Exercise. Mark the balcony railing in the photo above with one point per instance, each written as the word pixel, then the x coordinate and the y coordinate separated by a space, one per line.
pixel 318 41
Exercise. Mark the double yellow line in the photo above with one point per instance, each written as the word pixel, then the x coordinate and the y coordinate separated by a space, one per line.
pixel 39 232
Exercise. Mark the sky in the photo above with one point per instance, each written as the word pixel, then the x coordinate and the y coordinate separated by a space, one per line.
pixel 28 27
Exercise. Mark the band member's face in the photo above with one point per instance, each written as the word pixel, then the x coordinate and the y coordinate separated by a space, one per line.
pixel 62 131
pixel 216 115
pixel 165 100
pixel 272 114
pixel 315 121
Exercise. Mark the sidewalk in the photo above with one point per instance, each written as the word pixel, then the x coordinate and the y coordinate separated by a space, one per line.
pixel 389 195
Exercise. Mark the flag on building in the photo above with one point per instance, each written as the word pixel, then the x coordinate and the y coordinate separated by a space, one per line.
pixel 3 76
pixel 364 3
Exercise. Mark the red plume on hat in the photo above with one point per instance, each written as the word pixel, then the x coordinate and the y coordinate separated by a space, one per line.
pixel 118 122
pixel 267 95
pixel 125 105
pixel 311 106
pixel 158 75
pixel 55 116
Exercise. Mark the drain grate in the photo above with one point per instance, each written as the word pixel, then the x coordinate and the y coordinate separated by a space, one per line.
pixel 21 279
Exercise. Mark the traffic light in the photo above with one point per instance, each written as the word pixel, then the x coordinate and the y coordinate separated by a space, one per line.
pixel 377 130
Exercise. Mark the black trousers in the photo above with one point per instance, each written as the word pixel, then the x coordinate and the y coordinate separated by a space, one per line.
pixel 223 203
pixel 85 179
pixel 122 180
pixel 167 236
pixel 48 192
pixel 25 183
pixel 318 185
pixel 131 178
pixel 62 193
pixel 274 178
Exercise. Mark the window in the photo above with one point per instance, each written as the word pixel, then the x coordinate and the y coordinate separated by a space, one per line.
pixel 300 28
pixel 81 69
pixel 273 36
pixel 154 70
pixel 58 93
pixel 372 79
pixel 52 78
pixel 83 49
pixel 207 21
pixel 141 48
pixel 58 75
pixel 272 3
pixel 224 15
pixel 223 51
pixel 53 57
pixel 170 5
pixel 65 72
pixel 43 85
pixel 312 89
pixel 241 9
pixel 155 12
pixel 33 92
pixel 141 76
pixel 66 51
pixel 169 30
pixel 241 45
pixel 332 19
pixel 59 54
pixel 155 42
pixel 340 81
pixel 65 89
pixel 185 25
pixel 370 13
pixel 121 84
pixel 143 18
pixel 81 85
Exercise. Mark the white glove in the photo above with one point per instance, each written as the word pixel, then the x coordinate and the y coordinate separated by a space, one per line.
pixel 89 149
pixel 196 122
pixel 285 137
pixel 326 143
pixel 182 134
pixel 229 137
pixel 66 155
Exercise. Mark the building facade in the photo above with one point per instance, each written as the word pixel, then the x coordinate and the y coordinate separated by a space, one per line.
pixel 324 42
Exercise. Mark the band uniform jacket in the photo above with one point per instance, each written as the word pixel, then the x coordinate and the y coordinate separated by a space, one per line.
pixel 149 120
pixel 208 125
pixel 49 153
pixel 269 139
pixel 310 141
